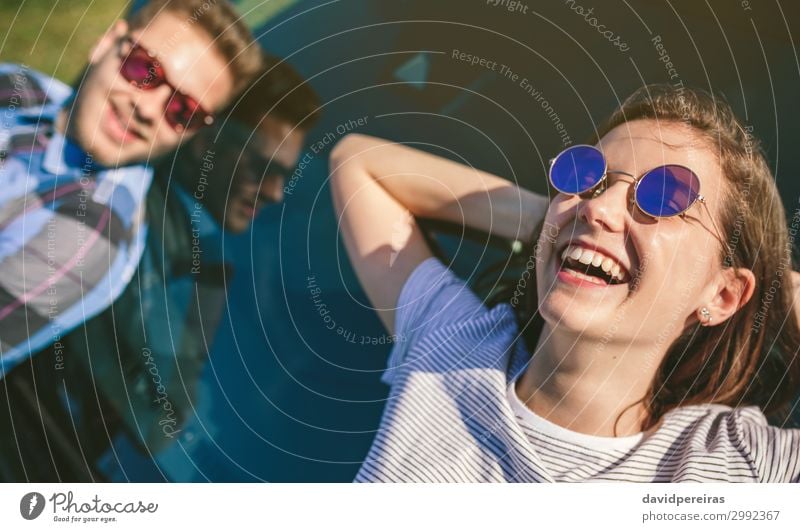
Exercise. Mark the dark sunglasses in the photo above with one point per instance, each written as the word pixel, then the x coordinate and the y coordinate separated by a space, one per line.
pixel 272 168
pixel 662 192
pixel 142 70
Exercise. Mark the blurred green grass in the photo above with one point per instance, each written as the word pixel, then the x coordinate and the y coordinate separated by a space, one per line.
pixel 54 36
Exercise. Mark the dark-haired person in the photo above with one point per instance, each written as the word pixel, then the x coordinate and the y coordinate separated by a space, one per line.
pixel 638 349
pixel 73 164
pixel 140 361
pixel 255 152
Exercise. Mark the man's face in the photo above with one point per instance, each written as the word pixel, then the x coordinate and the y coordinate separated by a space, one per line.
pixel 118 123
pixel 263 167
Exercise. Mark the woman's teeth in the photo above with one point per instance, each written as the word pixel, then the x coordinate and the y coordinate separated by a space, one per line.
pixel 594 258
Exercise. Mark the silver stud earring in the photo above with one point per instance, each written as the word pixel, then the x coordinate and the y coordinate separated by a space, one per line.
pixel 706 315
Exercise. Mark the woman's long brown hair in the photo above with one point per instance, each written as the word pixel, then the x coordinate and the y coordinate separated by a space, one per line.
pixel 751 358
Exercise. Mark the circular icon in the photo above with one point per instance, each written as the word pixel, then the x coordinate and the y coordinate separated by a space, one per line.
pixel 31 505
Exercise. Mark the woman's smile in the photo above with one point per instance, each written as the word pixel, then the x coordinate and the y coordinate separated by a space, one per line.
pixel 585 264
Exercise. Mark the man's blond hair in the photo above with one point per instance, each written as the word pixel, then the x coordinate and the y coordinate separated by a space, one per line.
pixel 220 21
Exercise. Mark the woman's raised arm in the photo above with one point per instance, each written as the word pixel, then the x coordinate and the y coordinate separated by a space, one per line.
pixel 435 187
pixel 379 187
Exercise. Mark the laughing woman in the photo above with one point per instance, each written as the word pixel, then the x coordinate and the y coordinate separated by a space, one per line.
pixel 658 333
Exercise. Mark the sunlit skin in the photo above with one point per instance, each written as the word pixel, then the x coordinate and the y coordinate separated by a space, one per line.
pixel 601 346
pixel 119 124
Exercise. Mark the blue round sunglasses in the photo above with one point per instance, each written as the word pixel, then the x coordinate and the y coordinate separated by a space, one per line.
pixel 663 192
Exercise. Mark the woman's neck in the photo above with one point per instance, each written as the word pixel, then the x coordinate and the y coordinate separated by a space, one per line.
pixel 584 384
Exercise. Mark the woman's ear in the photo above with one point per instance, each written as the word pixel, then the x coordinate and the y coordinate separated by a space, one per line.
pixel 734 289
pixel 111 36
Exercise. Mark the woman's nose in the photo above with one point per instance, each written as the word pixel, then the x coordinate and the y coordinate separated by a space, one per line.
pixel 608 206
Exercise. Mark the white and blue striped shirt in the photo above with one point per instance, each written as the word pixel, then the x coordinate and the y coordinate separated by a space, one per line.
pixel 453 415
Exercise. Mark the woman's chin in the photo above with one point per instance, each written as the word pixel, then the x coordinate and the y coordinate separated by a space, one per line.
pixel 565 311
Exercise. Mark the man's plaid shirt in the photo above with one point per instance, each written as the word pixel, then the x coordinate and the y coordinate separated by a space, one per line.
pixel 71 232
